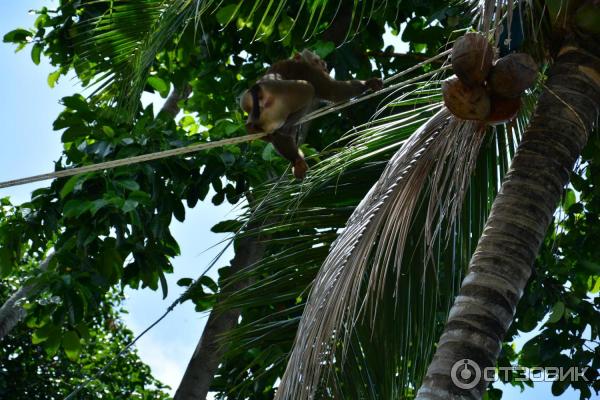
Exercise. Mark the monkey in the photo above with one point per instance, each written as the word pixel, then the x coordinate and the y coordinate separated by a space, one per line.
pixel 288 91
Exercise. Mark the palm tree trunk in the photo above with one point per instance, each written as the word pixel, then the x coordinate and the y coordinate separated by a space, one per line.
pixel 205 360
pixel 520 216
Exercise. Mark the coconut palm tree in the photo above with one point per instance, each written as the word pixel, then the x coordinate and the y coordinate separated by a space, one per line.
pixel 349 287
pixel 391 263
pixel 520 216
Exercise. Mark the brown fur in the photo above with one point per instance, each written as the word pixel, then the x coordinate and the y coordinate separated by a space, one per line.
pixel 290 89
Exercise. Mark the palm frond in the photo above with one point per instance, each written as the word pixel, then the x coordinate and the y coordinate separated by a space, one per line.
pixel 128 35
pixel 120 39
pixel 375 236
pixel 381 273
pixel 311 218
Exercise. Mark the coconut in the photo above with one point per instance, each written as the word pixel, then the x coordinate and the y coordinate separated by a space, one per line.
pixel 503 109
pixel 464 101
pixel 472 58
pixel 512 74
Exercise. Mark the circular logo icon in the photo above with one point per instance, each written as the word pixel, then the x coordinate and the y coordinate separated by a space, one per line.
pixel 465 374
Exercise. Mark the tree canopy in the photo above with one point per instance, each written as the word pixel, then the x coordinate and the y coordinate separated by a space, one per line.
pixel 108 230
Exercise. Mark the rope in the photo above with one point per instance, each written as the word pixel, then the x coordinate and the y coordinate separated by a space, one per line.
pixel 241 139
pixel 130 160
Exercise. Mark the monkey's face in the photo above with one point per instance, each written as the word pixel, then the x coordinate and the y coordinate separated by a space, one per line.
pixel 266 112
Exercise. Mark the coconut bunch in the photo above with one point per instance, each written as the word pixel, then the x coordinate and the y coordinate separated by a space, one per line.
pixel 483 89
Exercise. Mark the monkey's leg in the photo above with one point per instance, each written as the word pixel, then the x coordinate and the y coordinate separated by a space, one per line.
pixel 285 143
pixel 337 91
pixel 325 87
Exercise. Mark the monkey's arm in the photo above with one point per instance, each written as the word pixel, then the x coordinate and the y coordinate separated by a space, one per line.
pixel 285 141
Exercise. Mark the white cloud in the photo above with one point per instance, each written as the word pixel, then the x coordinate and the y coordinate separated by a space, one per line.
pixel 165 364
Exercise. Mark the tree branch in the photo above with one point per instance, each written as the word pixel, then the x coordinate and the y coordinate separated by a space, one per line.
pixel 12 312
pixel 171 106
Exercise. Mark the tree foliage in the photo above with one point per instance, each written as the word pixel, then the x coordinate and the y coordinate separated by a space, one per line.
pixel 110 229
pixel 32 367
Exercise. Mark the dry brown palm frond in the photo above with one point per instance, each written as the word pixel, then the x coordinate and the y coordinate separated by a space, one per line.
pixel 439 157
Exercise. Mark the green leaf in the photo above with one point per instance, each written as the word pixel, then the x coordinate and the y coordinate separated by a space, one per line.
pixel 225 127
pixel 140 196
pixel 494 394
pixel 217 184
pixel 6 261
pixel 36 51
pixel 74 208
pixel 41 21
pixel 569 199
pixel 185 282
pixel 530 353
pixel 587 18
pixel 53 78
pixel 68 188
pixel 225 14
pixel 72 345
pixel 17 36
pixel 559 386
pixel 76 102
pixel 528 321
pixel 97 205
pixel 44 333
pixel 129 205
pixel 414 30
pixel 129 184
pixel 227 158
pixel 285 28
pixel 163 284
pixel 159 85
pixel 73 184
pixel 218 198
pixel 64 120
pixel 209 283
pixel 178 210
pixel 268 153
pixel 111 262
pixel 75 132
pixel 108 131
pixel 557 312
pixel 226 226
pixel 52 343
pixel 83 330
pixel 323 49
pixel 594 284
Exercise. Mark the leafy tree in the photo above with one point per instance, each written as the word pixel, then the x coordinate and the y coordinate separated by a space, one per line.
pixel 31 367
pixel 398 257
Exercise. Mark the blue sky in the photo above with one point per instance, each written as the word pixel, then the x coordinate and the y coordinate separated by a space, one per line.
pixel 30 146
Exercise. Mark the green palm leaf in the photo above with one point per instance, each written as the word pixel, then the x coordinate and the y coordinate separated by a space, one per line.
pixel 120 40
